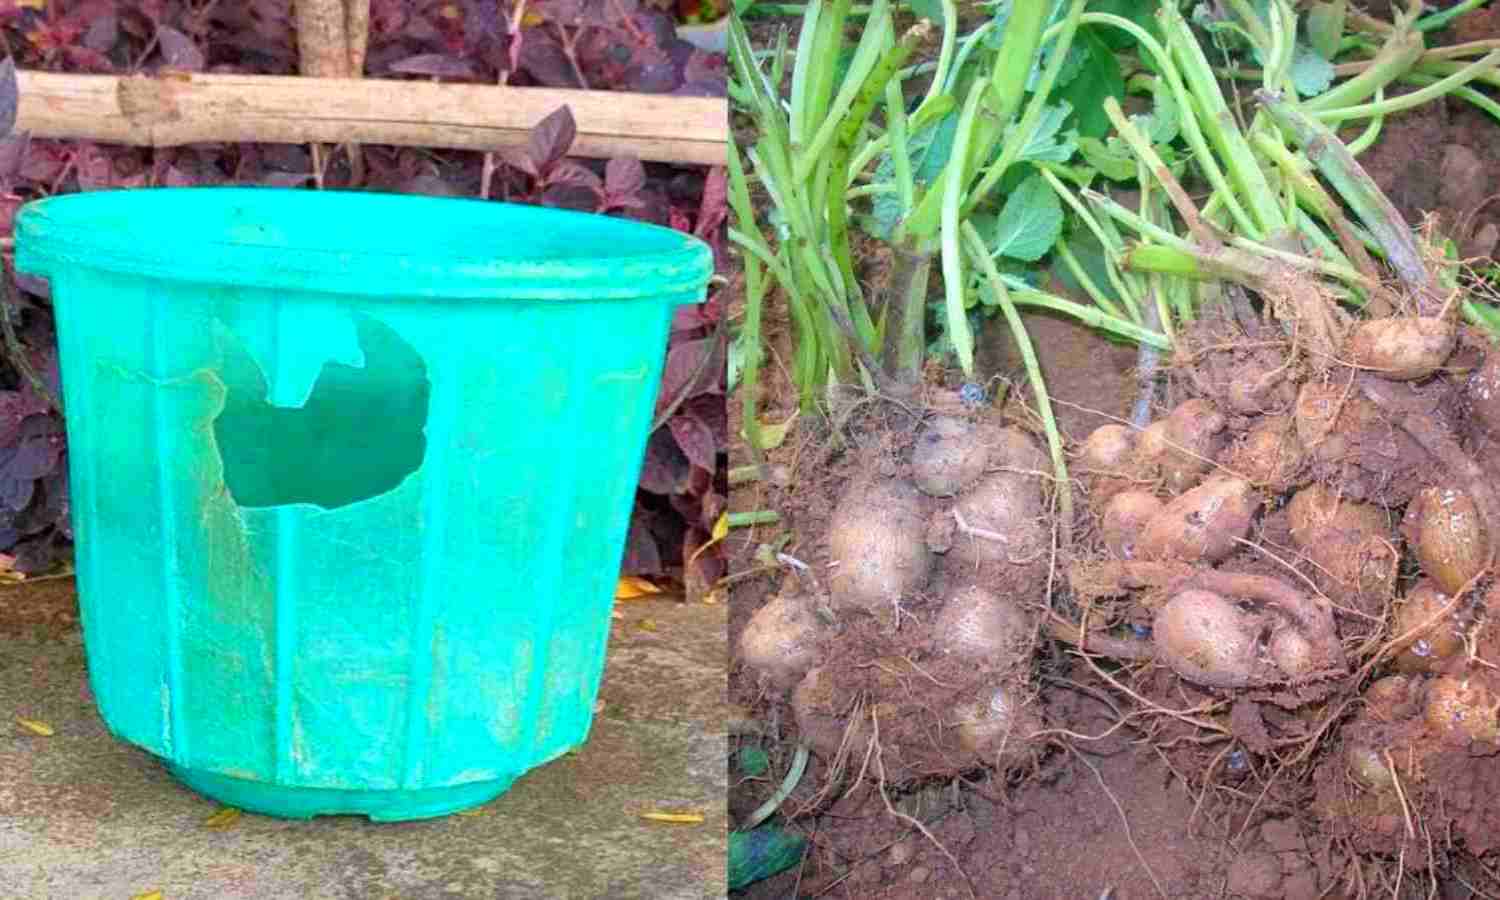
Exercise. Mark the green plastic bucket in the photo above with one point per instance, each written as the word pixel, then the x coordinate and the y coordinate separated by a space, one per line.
pixel 351 478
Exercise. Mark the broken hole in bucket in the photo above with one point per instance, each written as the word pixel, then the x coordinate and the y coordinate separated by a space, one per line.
pixel 358 434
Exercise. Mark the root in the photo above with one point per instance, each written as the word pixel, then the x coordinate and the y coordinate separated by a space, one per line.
pixel 1124 821
pixel 1411 831
pixel 1134 649
pixel 912 820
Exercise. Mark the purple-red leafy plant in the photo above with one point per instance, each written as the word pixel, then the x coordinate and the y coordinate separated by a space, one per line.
pixel 599 44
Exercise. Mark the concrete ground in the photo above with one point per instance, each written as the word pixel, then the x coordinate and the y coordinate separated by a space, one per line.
pixel 84 816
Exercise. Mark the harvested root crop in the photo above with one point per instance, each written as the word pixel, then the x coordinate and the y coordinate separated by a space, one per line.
pixel 1205 524
pixel 780 642
pixel 1402 349
pixel 949 455
pixel 876 541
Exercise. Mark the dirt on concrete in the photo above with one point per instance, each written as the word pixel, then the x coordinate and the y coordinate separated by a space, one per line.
pixel 84 816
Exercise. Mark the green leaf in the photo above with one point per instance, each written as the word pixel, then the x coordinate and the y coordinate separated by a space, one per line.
pixel 929 149
pixel 1161 124
pixel 759 854
pixel 735 363
pixel 1141 12
pixel 1029 223
pixel 1325 26
pixel 931 10
pixel 753 761
pixel 1044 144
pixel 1311 73
pixel 1090 255
pixel 1100 78
pixel 1111 158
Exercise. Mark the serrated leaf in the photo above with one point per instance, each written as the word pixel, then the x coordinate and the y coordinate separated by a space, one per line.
pixel 1029 223
pixel 1044 145
pixel 1100 78
pixel 1111 158
pixel 1161 124
pixel 1311 73
pixel 1325 26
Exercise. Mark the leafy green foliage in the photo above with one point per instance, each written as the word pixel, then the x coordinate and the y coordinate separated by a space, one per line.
pixel 931 10
pixel 1029 223
pixel 1325 25
pixel 1048 142
pixel 1098 77
pixel 1112 158
pixel 928 149
pixel 1141 12
pixel 1311 73
pixel 753 761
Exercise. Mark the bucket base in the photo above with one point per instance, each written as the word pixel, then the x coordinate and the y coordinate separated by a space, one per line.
pixel 288 802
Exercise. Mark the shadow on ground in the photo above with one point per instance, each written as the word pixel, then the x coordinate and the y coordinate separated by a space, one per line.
pixel 84 816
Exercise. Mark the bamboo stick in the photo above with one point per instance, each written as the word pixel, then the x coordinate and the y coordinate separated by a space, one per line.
pixel 322 38
pixel 185 108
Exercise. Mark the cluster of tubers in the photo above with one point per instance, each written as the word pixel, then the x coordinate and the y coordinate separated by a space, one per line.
pixel 967 526
pixel 1286 538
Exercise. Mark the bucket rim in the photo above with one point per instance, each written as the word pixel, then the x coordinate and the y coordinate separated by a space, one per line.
pixel 625 260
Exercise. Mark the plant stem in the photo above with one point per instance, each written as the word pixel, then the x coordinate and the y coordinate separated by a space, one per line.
pixel 1190 129
pixel 1154 165
pixel 1312 194
pixel 1017 141
pixel 1218 123
pixel 1400 52
pixel 953 185
pixel 945 52
pixel 1367 138
pixel 758 517
pixel 906 315
pixel 1092 317
pixel 980 256
pixel 1357 189
pixel 1443 17
pixel 755 291
pixel 1479 100
pixel 1111 250
pixel 865 98
pixel 1416 98
pixel 867 56
pixel 1085 281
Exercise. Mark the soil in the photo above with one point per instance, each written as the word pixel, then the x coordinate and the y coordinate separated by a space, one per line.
pixel 1102 811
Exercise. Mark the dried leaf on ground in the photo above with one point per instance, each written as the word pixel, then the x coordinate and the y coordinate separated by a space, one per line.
pixel 224 818
pixel 631 587
pixel 675 818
